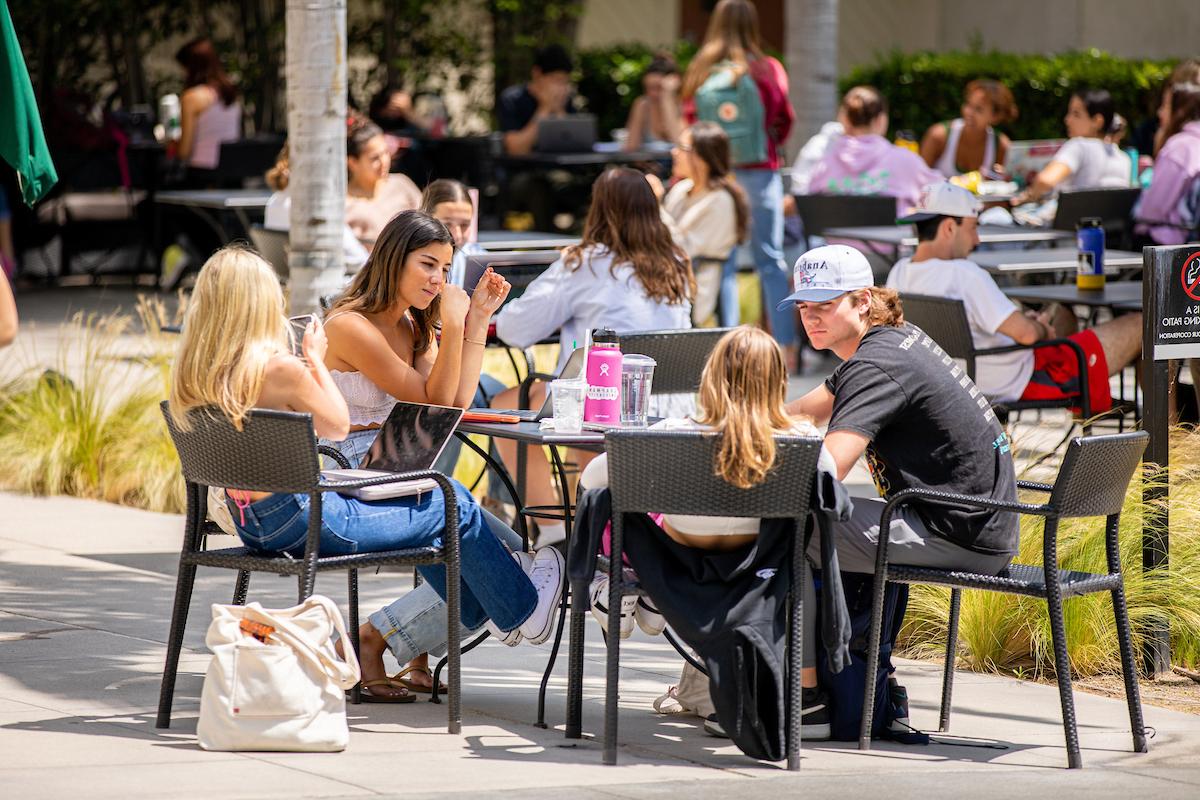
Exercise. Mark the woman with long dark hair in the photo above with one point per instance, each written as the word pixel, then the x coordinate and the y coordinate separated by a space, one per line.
pixel 209 109
pixel 627 274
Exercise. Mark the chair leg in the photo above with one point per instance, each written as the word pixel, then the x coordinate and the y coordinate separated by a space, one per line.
pixel 179 615
pixel 795 691
pixel 1133 695
pixel 872 670
pixel 352 585
pixel 434 694
pixel 1062 667
pixel 558 635
pixel 613 665
pixel 951 655
pixel 241 588
pixel 575 673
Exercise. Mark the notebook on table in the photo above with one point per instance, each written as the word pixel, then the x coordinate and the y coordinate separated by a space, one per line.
pixel 411 440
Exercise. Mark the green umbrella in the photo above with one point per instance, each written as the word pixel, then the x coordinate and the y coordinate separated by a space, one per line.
pixel 22 143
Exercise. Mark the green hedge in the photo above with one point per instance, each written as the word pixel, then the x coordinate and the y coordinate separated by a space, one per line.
pixel 924 88
pixel 609 78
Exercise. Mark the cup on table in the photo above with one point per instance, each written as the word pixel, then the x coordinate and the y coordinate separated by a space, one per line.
pixel 567 403
pixel 637 377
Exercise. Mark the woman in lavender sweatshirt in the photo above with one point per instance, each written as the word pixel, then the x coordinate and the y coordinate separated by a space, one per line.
pixel 864 162
pixel 1170 208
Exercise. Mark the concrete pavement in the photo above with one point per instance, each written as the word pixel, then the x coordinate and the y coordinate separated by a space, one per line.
pixel 85 595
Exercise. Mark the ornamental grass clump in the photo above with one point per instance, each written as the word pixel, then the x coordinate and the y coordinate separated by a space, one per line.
pixel 1011 634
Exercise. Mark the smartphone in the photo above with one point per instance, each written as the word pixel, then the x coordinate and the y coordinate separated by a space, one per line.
pixel 299 325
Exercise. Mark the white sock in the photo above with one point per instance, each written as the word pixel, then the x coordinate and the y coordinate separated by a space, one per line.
pixel 551 533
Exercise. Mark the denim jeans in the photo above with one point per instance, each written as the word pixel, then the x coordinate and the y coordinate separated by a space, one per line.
pixel 493 584
pixel 764 190
pixel 415 622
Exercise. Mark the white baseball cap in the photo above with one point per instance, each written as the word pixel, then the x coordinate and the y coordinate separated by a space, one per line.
pixel 943 199
pixel 825 273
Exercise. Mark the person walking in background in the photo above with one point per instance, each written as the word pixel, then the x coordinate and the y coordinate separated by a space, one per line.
pixel 210 112
pixel 734 84
pixel 969 143
pixel 706 209
pixel 655 119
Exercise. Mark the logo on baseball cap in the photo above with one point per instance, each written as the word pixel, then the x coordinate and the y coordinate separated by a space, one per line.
pixel 824 273
pixel 942 200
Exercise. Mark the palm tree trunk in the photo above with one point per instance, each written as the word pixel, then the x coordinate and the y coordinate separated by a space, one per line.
pixel 812 54
pixel 316 102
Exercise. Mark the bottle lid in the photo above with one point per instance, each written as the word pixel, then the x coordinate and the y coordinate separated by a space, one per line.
pixel 605 336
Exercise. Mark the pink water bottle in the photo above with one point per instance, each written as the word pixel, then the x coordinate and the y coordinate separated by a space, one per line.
pixel 602 401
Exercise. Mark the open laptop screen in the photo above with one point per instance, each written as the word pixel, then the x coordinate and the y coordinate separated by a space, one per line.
pixel 412 438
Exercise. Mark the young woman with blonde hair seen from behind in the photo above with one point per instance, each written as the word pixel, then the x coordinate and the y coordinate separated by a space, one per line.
pixel 707 209
pixel 626 274
pixel 234 355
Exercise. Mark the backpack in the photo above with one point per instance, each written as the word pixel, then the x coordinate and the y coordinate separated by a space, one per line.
pixel 737 107
pixel 845 689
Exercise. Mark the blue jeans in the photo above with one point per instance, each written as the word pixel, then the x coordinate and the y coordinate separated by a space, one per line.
pixel 764 190
pixel 493 585
pixel 415 622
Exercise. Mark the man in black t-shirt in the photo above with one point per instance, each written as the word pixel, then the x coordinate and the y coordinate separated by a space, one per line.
pixel 906 405
pixel 547 94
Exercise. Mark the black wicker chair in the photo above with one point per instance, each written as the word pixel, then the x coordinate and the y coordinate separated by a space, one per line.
pixel 671 472
pixel 1091 483
pixel 276 451
pixel 1113 206
pixel 945 320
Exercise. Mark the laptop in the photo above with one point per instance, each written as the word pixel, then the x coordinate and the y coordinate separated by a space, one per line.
pixel 1027 157
pixel 412 439
pixel 572 369
pixel 519 268
pixel 573 133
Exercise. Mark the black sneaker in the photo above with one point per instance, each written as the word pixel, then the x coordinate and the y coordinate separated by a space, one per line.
pixel 814 716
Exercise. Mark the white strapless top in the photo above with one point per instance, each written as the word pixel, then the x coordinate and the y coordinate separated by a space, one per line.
pixel 367 403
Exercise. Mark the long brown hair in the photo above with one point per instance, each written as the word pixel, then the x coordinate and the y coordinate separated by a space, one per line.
pixel 444 190
pixel 376 287
pixel 885 308
pixel 1184 86
pixel 742 391
pixel 732 35
pixel 199 60
pixel 710 144
pixel 624 219
pixel 999 96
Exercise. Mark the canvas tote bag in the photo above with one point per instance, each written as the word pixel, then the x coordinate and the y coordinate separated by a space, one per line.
pixel 275 682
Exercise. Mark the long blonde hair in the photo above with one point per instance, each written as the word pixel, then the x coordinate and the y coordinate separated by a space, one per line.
pixel 234 325
pixel 732 35
pixel 742 394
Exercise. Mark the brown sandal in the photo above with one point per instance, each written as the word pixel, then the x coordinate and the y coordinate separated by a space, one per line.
pixel 370 697
pixel 417 687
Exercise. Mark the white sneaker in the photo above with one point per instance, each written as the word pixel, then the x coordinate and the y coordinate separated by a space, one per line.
pixel 512 638
pixel 546 574
pixel 648 617
pixel 669 703
pixel 598 594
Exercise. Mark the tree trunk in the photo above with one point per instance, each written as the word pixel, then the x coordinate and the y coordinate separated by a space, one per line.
pixel 812 54
pixel 316 102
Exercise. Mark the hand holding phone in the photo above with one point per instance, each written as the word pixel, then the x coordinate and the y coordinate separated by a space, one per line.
pixel 298 325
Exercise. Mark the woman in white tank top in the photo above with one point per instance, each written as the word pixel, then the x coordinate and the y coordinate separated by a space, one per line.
pixel 209 109
pixel 969 143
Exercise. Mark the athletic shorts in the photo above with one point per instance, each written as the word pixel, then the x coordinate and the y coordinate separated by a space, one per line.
pixel 1056 373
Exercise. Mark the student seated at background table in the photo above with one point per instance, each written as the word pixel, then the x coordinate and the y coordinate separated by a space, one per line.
pixel 373 193
pixel 945 222
pixel 626 274
pixel 970 143
pixel 655 118
pixel 235 355
pixel 706 209
pixel 545 95
pixel 741 397
pixel 896 399
pixel 449 202
pixel 1087 160
pixel 277 214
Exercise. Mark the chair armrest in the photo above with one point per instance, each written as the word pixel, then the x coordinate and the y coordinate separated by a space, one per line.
pixel 335 454
pixel 953 499
pixel 1035 487
pixel 391 477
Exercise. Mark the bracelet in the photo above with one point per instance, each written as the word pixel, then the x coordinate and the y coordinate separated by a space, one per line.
pixel 482 342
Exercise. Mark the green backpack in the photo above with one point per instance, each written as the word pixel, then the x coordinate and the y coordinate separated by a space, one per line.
pixel 737 107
